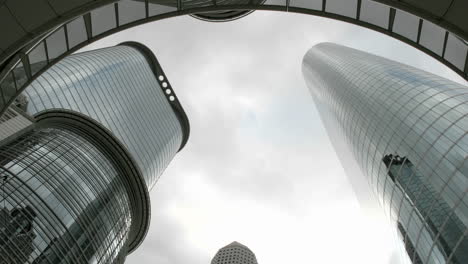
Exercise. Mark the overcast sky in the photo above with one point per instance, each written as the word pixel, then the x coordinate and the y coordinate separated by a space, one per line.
pixel 259 167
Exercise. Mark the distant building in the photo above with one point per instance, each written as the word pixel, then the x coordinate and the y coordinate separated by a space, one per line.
pixel 408 131
pixel 234 253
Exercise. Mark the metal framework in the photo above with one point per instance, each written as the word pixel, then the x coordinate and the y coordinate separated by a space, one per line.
pixel 60 28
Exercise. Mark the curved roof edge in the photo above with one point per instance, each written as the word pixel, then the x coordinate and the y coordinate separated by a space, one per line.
pixel 222 16
pixel 162 79
pixel 228 14
pixel 447 14
pixel 106 141
pixel 53 36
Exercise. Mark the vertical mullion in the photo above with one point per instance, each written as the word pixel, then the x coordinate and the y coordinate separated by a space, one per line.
pixel 466 66
pixel 324 4
pixel 26 65
pixel 67 41
pixel 46 51
pixel 419 30
pixel 391 19
pixel 445 43
pixel 358 9
pixel 14 79
pixel 146 9
pixel 88 25
pixel 116 10
pixel 3 102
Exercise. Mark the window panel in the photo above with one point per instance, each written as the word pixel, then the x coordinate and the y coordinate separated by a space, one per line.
pixel 374 13
pixel 37 58
pixel 275 2
pixel 103 19
pixel 130 11
pixel 342 7
pixel 76 32
pixel 456 51
pixel 406 25
pixel 162 8
pixel 432 37
pixel 309 4
pixel 56 44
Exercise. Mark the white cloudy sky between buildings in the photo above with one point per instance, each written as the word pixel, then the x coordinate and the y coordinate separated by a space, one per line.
pixel 259 167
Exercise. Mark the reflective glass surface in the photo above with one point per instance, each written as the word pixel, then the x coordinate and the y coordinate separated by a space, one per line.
pixel 386 109
pixel 309 4
pixel 117 88
pixel 406 25
pixel 429 208
pixel 103 19
pixel 374 13
pixel 130 11
pixel 76 32
pixel 56 44
pixel 432 37
pixel 156 7
pixel 342 7
pixel 62 201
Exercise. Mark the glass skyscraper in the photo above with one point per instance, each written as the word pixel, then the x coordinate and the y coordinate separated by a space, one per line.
pixel 407 130
pixel 119 87
pixel 234 253
pixel 98 130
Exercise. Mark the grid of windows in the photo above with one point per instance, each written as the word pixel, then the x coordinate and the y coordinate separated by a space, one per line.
pixel 62 201
pixel 386 109
pixel 116 87
pixel 234 253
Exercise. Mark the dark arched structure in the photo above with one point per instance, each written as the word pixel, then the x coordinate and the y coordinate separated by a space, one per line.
pixel 38 33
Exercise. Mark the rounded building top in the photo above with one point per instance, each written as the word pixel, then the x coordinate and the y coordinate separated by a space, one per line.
pixel 167 88
pixel 234 253
pixel 234 244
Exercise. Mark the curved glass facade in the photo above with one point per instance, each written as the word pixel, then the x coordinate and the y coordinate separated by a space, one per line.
pixel 75 178
pixel 408 131
pixel 117 88
pixel 63 201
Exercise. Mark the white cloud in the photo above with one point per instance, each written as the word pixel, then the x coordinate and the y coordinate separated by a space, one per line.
pixel 259 167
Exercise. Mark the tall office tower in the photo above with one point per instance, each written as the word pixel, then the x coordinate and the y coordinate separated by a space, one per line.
pixel 76 168
pixel 124 89
pixel 234 253
pixel 407 131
